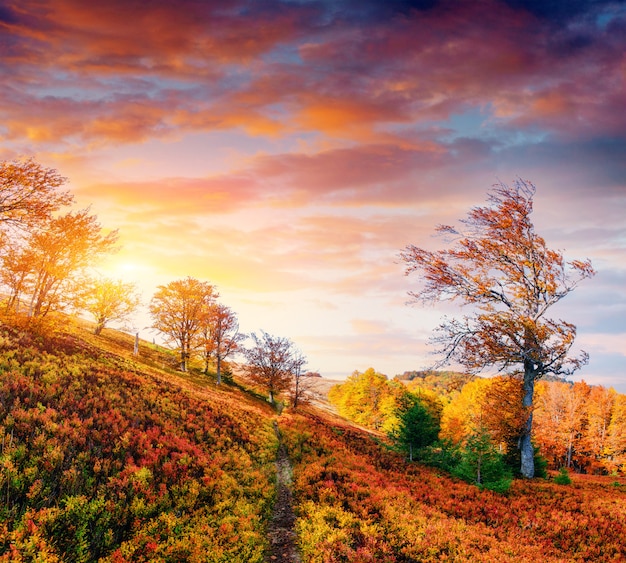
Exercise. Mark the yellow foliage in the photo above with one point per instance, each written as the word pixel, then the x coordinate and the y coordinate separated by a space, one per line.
pixel 369 398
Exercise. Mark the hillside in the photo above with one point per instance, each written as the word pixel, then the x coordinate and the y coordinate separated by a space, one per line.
pixel 114 458
pixel 359 502
pixel 106 458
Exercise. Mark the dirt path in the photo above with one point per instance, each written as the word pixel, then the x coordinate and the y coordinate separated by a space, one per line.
pixel 281 530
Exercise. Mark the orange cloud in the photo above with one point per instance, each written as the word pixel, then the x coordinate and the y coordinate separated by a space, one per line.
pixel 162 36
pixel 111 72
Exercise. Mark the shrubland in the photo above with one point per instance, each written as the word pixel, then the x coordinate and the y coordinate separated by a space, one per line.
pixel 358 502
pixel 103 458
pixel 110 457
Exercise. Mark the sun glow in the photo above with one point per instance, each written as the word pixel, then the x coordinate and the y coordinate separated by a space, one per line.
pixel 121 268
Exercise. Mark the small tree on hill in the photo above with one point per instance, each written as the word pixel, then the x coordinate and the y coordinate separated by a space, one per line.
pixel 271 361
pixel 109 300
pixel 418 427
pixel 499 266
pixel 220 336
pixel 482 464
pixel 301 381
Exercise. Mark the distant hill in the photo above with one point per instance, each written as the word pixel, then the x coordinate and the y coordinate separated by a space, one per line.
pixel 446 384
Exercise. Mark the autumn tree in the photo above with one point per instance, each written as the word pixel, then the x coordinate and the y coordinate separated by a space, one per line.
pixel 560 420
pixel 271 361
pixel 599 410
pixel 616 439
pixel 504 416
pixel 219 336
pixel 108 301
pixel 58 252
pixel 301 381
pixel 29 193
pixel 573 425
pixel 503 270
pixel 178 311
pixel 369 398
pixel 44 253
pixel 464 415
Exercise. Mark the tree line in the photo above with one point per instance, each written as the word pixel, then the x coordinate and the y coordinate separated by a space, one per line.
pixel 577 427
pixel 47 258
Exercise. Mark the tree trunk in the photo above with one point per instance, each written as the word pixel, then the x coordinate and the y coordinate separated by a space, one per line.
pixel 296 392
pixel 219 369
pixel 99 326
pixel 570 447
pixel 526 447
pixel 12 302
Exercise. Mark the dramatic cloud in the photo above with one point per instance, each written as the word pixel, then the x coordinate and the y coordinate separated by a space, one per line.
pixel 287 151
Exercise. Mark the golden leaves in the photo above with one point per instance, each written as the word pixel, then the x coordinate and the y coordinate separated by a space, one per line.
pixel 504 270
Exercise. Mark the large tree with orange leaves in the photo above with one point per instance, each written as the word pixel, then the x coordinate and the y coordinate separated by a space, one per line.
pixel 179 310
pixel 29 193
pixel 499 266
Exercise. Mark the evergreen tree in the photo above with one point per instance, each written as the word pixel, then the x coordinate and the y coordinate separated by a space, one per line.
pixel 417 428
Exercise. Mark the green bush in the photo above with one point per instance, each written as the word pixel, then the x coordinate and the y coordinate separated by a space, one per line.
pixel 563 478
pixel 483 465
pixel 541 465
pixel 443 454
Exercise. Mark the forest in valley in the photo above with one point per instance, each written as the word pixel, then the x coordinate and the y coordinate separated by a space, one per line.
pixel 577 427
pixel 114 449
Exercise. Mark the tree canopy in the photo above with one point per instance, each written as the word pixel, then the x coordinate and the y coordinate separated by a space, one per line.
pixel 499 266
pixel 29 193
pixel 272 362
pixel 178 311
pixel 109 300
pixel 369 398
pixel 66 246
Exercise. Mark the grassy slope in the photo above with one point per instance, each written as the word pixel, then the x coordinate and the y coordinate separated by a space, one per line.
pixel 108 457
pixel 358 502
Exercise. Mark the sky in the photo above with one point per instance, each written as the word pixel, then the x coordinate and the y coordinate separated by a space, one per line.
pixel 287 151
